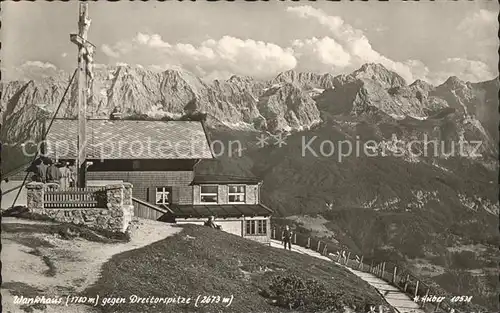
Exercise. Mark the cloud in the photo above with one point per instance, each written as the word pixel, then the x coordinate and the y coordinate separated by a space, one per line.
pixel 38 64
pixel 479 31
pixel 153 41
pixel 348 48
pixel 342 51
pixel 30 70
pixel 64 54
pixel 352 42
pixel 321 55
pixel 226 55
pixel 482 23
pixel 468 70
pixel 107 50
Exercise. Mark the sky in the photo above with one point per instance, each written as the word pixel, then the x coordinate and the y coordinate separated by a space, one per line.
pixel 418 40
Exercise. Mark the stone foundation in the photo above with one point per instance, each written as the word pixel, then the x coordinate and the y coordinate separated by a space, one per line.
pixel 116 216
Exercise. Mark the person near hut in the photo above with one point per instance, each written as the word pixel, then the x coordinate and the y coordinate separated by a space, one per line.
pixel 41 170
pixel 65 175
pixel 211 223
pixel 37 170
pixel 287 237
pixel 53 175
pixel 72 175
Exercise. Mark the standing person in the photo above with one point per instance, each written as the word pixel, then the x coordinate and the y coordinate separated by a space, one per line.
pixel 72 175
pixel 41 170
pixel 33 170
pixel 53 173
pixel 287 237
pixel 65 175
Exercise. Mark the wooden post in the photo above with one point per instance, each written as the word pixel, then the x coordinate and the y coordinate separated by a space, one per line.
pixel 406 281
pixel 294 238
pixel 416 288
pixel 319 244
pixel 394 275
pixel 371 267
pixel 360 267
pixel 308 243
pixel 85 51
pixel 340 257
pixel 274 233
pixel 383 270
pixel 347 258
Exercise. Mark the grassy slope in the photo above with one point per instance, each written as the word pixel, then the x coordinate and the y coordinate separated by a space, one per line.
pixel 211 263
pixel 294 184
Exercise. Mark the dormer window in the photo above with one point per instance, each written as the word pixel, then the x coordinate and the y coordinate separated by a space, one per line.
pixel 236 193
pixel 208 194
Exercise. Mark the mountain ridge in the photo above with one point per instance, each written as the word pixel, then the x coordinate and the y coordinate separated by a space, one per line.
pixel 140 91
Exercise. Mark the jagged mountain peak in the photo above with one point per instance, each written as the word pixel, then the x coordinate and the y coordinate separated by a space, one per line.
pixel 454 82
pixel 422 84
pixel 305 80
pixel 380 73
pixel 238 79
pixel 178 73
pixel 181 78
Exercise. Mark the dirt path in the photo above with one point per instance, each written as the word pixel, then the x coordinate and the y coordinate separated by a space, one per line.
pixel 76 264
pixel 398 300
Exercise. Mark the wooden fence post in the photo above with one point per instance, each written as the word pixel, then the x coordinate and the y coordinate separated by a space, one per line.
pixel 416 288
pixel 294 238
pixel 308 243
pixel 319 244
pixel 347 258
pixel 325 250
pixel 360 267
pixel 406 281
pixel 371 267
pixel 274 233
pixel 394 275
pixel 383 270
pixel 340 256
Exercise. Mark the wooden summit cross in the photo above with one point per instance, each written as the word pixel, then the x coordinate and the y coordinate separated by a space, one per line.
pixel 84 83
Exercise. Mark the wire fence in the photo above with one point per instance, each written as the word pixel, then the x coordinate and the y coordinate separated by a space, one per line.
pixel 394 274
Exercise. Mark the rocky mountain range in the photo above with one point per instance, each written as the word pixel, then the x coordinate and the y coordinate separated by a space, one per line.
pixel 397 200
pixel 291 102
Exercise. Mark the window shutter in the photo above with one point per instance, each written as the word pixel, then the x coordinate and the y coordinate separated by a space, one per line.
pixel 151 197
pixel 174 196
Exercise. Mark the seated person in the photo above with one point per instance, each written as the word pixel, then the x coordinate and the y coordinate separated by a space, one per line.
pixel 210 223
